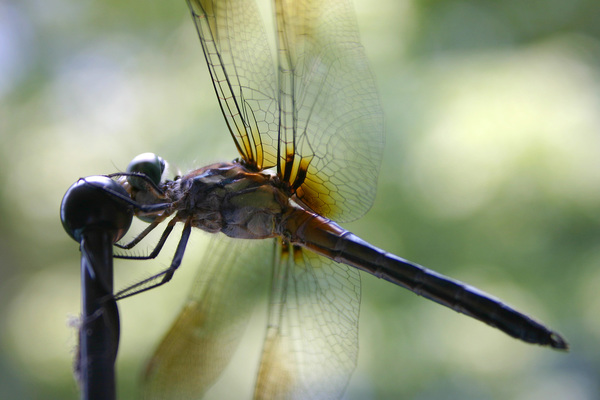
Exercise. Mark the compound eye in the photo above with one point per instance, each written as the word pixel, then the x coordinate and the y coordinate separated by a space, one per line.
pixel 148 164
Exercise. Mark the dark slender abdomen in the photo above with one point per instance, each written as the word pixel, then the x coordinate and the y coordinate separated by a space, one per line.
pixel 328 239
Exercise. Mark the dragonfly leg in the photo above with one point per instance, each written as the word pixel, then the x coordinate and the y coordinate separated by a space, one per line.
pixel 137 239
pixel 164 276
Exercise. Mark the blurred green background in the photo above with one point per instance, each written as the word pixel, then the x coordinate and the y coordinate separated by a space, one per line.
pixel 491 174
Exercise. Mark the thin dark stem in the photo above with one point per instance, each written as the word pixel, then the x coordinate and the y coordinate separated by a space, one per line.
pixel 99 332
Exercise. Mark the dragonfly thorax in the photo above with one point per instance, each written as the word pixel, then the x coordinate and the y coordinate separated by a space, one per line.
pixel 228 198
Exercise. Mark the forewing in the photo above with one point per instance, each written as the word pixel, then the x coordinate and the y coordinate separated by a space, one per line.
pixel 319 120
pixel 312 339
pixel 205 335
pixel 242 70
pixel 331 127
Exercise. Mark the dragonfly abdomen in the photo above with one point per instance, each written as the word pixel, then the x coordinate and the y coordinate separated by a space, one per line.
pixel 330 240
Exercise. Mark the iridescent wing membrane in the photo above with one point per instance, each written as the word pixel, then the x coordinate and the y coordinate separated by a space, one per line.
pixel 311 345
pixel 240 64
pixel 202 340
pixel 318 121
pixel 331 123
pixel 312 338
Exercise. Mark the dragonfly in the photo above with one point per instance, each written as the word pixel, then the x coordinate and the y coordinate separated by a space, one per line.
pixel 308 128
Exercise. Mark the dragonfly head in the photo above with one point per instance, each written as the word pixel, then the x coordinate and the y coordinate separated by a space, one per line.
pixel 153 168
pixel 148 164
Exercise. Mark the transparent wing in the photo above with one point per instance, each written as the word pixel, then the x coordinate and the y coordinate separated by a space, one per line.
pixel 205 335
pixel 331 127
pixel 240 63
pixel 319 119
pixel 312 339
